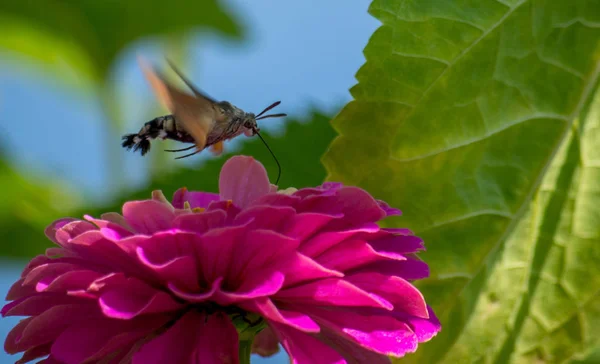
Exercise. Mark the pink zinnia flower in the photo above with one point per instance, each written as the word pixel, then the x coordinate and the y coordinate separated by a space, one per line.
pixel 196 279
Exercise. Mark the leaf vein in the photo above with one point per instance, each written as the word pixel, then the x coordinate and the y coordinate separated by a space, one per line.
pixel 485 136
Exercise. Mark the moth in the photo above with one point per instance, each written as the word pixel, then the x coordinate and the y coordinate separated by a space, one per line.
pixel 196 118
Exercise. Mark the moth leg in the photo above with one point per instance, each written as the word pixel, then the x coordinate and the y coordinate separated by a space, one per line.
pixel 191 154
pixel 217 149
pixel 180 150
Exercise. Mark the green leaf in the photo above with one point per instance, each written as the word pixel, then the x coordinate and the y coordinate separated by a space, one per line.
pixel 87 35
pixel 298 150
pixel 459 114
pixel 26 208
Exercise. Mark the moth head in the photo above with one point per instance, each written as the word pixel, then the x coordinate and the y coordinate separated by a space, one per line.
pixel 250 124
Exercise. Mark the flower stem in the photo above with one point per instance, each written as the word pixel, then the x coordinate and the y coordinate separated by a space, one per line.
pixel 245 351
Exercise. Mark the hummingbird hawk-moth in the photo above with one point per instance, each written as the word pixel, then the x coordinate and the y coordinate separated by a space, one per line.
pixel 197 118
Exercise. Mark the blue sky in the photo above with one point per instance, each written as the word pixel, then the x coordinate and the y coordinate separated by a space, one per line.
pixel 296 52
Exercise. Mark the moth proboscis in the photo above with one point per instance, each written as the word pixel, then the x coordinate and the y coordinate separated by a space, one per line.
pixel 197 119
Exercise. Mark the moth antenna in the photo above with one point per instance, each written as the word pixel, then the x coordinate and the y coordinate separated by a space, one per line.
pixel 269 108
pixel 179 150
pixel 189 155
pixel 271 116
pixel 273 154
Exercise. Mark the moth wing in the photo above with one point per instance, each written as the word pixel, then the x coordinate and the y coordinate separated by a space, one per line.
pixel 217 148
pixel 197 115
pixel 189 83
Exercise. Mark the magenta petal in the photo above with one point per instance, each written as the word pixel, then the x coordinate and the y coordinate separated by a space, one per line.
pixel 171 257
pixel 329 292
pixel 356 204
pixel 18 290
pixel 381 334
pixel 265 217
pixel 263 251
pixel 71 281
pixel 400 244
pixel 243 180
pixel 301 268
pixel 410 269
pixel 110 229
pixel 134 298
pixel 305 349
pixel 265 343
pixel 93 340
pixel 424 328
pixel 352 254
pixel 216 249
pixel 323 241
pixel 349 349
pixel 50 324
pixel 50 231
pixel 404 296
pixel 200 222
pixel 389 211
pixel 276 199
pixel 266 308
pixel 303 225
pixel 148 216
pixel 72 230
pixel 34 353
pixel 197 296
pixel 261 286
pixel 35 305
pixel 194 338
pixel 195 199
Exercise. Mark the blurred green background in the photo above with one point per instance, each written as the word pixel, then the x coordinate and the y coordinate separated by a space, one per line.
pixel 479 119
pixel 70 87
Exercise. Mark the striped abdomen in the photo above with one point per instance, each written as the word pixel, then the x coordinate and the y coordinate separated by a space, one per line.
pixel 163 127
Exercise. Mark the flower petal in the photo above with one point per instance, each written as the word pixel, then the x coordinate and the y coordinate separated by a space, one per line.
pixel 349 349
pixel 305 349
pixel 381 334
pixel 323 241
pixel 404 296
pixel 195 199
pixel 131 297
pixel 400 244
pixel 50 324
pixel 301 268
pixel 110 229
pixel 424 328
pixel 329 292
pixel 170 255
pixel 356 204
pixel 303 225
pixel 194 338
pixel 265 217
pixel 51 230
pixel 93 340
pixel 243 180
pixel 410 269
pixel 389 211
pixel 265 343
pixel 200 222
pixel 148 216
pixel 72 230
pixel 266 308
pixel 352 254
pixel 34 353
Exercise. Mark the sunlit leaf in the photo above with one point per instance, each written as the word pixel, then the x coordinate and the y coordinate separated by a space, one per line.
pixel 459 114
pixel 87 35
